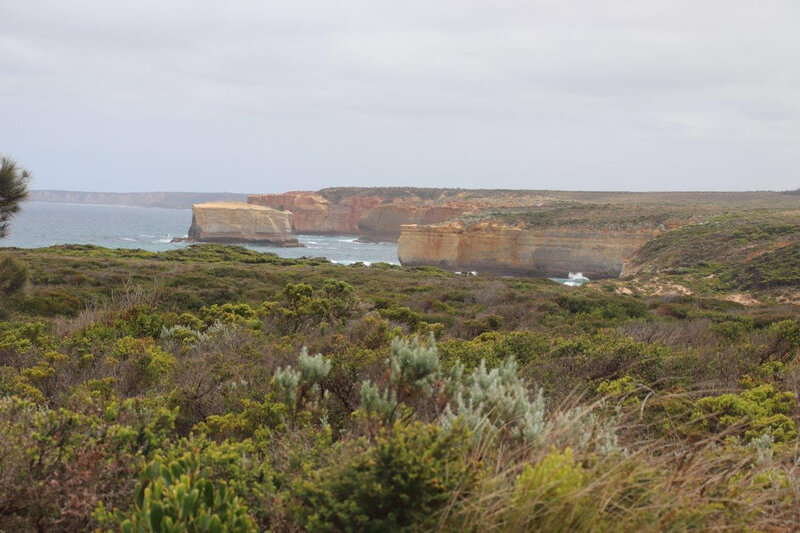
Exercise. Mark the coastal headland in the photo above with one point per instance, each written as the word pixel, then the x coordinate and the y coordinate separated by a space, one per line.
pixel 504 232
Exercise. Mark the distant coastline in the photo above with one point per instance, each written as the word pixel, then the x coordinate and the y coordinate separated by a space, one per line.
pixel 164 200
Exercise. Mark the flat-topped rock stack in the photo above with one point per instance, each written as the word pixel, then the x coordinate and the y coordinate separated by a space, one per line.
pixel 238 222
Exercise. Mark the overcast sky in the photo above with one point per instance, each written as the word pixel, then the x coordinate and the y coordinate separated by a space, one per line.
pixel 262 96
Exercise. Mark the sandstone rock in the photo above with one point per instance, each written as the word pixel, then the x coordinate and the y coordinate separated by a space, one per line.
pixel 376 214
pixel 505 250
pixel 316 215
pixel 382 223
pixel 241 222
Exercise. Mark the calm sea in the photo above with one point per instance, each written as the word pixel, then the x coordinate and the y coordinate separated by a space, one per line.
pixel 45 223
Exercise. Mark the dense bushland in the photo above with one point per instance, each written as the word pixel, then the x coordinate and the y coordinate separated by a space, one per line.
pixel 217 389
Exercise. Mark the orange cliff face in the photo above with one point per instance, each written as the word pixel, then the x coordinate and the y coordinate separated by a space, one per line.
pixel 376 215
pixel 507 250
pixel 316 215
pixel 382 223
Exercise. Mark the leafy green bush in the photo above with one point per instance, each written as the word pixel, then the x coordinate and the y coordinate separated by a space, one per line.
pixel 548 495
pixel 177 497
pixel 751 414
pixel 57 465
pixel 53 303
pixel 13 275
pixel 397 484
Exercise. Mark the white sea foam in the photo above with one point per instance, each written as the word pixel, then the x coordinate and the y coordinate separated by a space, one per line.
pixel 366 263
pixel 574 279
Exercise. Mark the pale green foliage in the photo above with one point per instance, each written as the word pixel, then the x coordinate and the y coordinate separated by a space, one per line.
pixel 286 381
pixel 414 364
pixel 294 384
pixel 413 369
pixel 498 401
pixel 313 368
pixel 176 497
pixel 763 446
pixel 582 428
pixel 376 403
pixel 216 334
pixel 183 334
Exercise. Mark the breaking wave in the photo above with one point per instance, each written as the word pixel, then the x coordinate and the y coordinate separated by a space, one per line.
pixel 574 279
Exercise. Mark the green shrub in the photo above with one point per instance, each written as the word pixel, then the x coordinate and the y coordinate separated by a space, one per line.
pixel 494 348
pixel 403 315
pixel 750 414
pixel 548 495
pixel 299 310
pixel 177 497
pixel 13 275
pixel 54 303
pixel 227 314
pixel 398 484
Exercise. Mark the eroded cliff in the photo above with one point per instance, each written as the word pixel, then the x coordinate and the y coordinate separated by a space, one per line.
pixel 376 214
pixel 241 222
pixel 314 214
pixel 382 223
pixel 501 249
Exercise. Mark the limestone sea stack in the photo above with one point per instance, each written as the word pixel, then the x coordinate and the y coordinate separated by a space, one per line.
pixel 506 250
pixel 238 222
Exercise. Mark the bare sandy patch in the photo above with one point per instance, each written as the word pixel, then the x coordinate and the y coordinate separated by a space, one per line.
pixel 744 299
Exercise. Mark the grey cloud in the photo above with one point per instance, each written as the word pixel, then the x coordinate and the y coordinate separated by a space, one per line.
pixel 262 96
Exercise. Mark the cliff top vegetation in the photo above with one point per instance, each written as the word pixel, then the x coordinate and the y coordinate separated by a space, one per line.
pixel 709 200
pixel 216 388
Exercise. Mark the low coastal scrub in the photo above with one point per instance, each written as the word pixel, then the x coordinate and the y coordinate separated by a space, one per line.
pixel 219 390
pixel 593 216
pixel 744 251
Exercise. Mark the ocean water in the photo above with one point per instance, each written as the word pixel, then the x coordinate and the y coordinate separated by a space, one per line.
pixel 48 223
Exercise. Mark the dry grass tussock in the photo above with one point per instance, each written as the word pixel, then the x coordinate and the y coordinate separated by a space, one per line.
pixel 574 479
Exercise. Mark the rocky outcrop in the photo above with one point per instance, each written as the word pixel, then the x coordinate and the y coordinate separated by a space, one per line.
pixel 376 214
pixel 382 223
pixel 316 215
pixel 241 222
pixel 506 250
